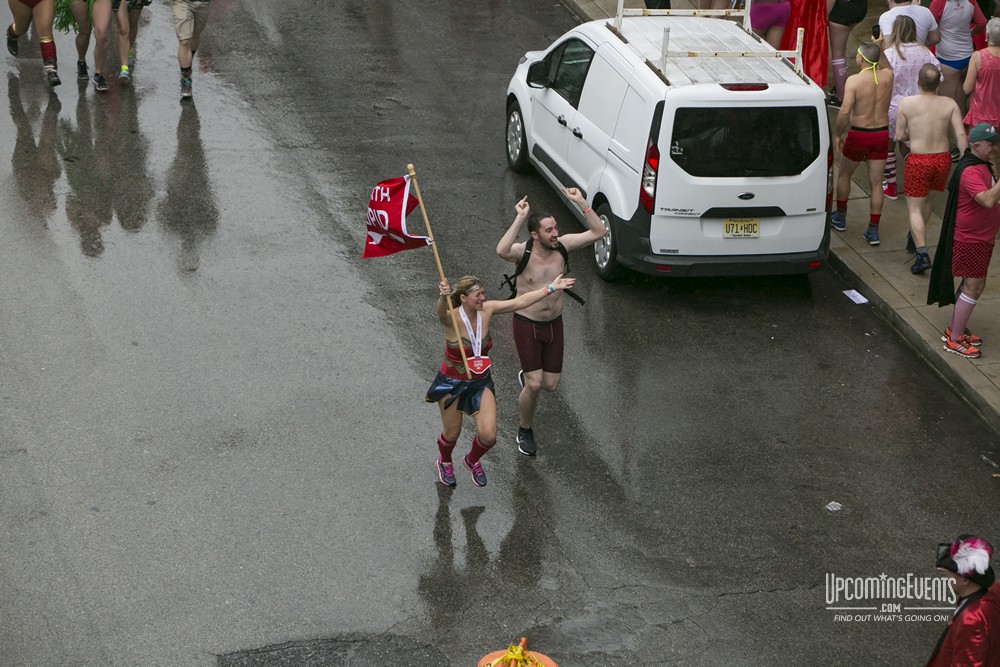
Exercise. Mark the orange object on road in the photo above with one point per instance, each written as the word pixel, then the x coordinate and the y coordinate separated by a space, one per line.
pixel 517 656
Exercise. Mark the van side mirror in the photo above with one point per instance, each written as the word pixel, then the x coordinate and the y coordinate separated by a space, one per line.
pixel 538 74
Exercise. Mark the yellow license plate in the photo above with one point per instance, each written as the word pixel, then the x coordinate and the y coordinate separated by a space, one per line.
pixel 741 228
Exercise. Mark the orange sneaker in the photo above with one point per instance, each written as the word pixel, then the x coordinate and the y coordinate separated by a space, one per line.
pixel 962 348
pixel 973 340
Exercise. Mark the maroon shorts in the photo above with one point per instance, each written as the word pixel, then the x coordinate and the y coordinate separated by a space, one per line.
pixel 926 172
pixel 971 260
pixel 539 344
pixel 29 3
pixel 863 144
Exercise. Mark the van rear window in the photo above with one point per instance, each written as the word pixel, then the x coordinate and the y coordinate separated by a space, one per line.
pixel 745 142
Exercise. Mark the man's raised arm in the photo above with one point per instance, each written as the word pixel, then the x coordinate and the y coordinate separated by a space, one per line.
pixel 595 228
pixel 505 248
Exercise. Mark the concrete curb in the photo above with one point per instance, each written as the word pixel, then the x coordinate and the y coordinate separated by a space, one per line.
pixel 913 328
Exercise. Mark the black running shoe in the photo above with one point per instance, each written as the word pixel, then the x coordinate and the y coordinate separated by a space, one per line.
pixel 526 441
pixel 11 41
pixel 53 76
pixel 921 263
pixel 833 102
pixel 81 70
pixel 100 83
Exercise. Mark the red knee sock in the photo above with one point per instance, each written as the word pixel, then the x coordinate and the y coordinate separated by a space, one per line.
pixel 48 50
pixel 478 449
pixel 445 447
pixel 874 218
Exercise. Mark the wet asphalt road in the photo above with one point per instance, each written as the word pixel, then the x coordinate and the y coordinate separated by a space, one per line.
pixel 212 438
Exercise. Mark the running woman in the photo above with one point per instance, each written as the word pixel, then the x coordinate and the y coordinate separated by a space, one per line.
pixel 42 13
pixel 453 390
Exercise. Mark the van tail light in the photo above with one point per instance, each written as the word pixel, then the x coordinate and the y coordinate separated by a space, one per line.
pixel 829 178
pixel 647 188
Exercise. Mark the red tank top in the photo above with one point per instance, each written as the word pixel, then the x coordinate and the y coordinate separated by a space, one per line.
pixel 452 366
pixel 984 103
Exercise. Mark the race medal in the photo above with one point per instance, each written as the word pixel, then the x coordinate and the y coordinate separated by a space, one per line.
pixel 479 365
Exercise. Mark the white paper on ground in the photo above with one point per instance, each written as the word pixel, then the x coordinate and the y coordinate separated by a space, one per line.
pixel 854 296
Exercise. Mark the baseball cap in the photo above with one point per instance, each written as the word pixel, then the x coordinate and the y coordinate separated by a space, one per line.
pixel 984 132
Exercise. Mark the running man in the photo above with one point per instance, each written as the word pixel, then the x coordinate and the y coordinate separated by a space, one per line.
pixel 923 121
pixel 190 17
pixel 865 113
pixel 538 329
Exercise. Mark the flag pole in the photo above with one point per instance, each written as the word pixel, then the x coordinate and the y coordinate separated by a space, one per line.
pixel 437 260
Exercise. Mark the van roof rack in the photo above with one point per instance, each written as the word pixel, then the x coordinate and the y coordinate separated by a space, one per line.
pixel 667 54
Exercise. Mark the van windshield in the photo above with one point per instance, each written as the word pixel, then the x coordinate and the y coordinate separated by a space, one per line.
pixel 742 142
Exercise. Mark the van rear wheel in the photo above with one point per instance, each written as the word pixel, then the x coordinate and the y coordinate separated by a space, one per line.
pixel 606 248
pixel 517 142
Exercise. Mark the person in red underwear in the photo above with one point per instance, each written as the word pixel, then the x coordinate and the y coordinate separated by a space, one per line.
pixel 538 330
pixel 768 19
pixel 924 122
pixel 864 119
pixel 465 386
pixel 42 12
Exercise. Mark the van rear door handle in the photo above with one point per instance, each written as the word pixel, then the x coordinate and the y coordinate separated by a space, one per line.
pixel 577 133
pixel 562 120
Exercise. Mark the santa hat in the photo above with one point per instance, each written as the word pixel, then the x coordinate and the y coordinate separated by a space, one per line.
pixel 969 557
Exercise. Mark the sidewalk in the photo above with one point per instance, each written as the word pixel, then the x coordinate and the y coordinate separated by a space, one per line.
pixel 882 273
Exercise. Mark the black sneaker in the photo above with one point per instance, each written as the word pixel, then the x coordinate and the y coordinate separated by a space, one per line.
pixel 955 155
pixel 921 264
pixel 186 88
pixel 11 41
pixel 100 84
pixel 833 102
pixel 520 378
pixel 475 471
pixel 526 441
pixel 911 247
pixel 53 77
pixel 81 70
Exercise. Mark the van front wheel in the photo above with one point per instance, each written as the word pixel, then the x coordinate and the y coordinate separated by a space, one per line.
pixel 517 143
pixel 606 248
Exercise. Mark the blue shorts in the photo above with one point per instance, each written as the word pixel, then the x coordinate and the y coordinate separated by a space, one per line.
pixel 468 393
pixel 956 64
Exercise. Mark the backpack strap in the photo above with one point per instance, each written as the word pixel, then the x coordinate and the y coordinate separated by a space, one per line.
pixel 511 281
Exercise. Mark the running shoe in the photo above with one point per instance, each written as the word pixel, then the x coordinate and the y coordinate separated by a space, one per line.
pixel 186 88
pixel 872 236
pixel 11 41
pixel 889 190
pixel 911 247
pixel 131 58
pixel 475 471
pixel 921 263
pixel 100 83
pixel 81 70
pixel 833 102
pixel 526 441
pixel 975 341
pixel 53 77
pixel 446 473
pixel 125 75
pixel 962 348
pixel 955 155
pixel 520 378
pixel 838 221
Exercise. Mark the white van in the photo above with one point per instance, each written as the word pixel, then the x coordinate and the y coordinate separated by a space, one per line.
pixel 704 150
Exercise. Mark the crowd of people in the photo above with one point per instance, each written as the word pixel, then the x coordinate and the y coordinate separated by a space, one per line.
pixel 924 91
pixel 94 17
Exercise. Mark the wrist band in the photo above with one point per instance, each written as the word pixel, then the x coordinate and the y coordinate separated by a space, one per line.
pixel 549 289
pixel 588 209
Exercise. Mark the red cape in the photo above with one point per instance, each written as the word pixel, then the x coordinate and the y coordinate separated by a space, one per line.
pixel 811 15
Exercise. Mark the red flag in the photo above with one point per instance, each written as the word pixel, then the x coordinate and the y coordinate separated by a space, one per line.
pixel 811 15
pixel 387 210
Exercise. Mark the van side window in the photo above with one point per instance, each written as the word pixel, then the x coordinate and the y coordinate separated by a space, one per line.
pixel 748 142
pixel 569 65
